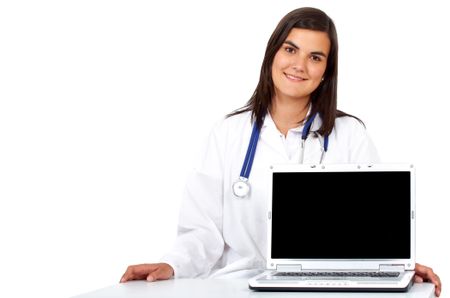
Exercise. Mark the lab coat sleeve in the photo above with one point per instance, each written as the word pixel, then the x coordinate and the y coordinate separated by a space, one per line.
pixel 362 148
pixel 199 243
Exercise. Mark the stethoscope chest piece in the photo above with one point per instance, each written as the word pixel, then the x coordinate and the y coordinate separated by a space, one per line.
pixel 241 188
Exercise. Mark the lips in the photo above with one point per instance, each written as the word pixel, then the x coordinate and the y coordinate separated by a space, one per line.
pixel 294 78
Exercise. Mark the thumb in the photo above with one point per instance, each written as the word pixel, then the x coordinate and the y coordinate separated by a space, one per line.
pixel 151 277
pixel 159 273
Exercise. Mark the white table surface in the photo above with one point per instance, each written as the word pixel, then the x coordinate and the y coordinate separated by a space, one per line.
pixel 234 288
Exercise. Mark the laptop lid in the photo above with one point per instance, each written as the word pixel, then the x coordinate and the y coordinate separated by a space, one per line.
pixel 339 217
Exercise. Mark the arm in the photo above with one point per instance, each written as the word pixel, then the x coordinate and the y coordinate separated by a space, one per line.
pixel 199 243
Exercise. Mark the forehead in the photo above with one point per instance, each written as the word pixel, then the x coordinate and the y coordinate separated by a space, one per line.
pixel 310 40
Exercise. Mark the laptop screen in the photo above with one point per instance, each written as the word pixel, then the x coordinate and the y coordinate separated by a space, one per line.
pixel 341 215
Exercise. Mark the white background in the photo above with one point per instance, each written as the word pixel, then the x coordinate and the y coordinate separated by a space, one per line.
pixel 104 105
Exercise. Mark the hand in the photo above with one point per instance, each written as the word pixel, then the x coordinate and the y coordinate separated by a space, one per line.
pixel 424 273
pixel 150 272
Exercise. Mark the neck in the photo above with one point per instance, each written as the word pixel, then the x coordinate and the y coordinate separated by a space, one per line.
pixel 287 114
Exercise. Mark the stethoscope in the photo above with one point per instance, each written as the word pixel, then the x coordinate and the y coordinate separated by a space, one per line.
pixel 241 187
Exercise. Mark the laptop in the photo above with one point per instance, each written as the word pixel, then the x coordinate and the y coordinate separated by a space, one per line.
pixel 340 228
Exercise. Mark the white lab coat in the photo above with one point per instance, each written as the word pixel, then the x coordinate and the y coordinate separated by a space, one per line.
pixel 220 235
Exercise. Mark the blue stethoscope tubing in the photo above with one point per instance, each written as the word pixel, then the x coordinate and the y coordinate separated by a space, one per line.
pixel 241 187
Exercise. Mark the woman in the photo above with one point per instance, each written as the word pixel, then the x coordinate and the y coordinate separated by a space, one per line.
pixel 221 235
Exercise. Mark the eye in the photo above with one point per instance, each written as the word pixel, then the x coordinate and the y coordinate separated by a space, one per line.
pixel 316 58
pixel 290 50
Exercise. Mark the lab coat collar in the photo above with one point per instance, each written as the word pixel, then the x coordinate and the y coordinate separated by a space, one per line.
pixel 317 123
pixel 270 135
pixel 268 122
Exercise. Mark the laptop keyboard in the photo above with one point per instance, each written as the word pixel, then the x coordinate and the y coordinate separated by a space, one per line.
pixel 338 274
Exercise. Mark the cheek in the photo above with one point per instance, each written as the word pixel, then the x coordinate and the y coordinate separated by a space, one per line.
pixel 318 72
pixel 279 63
pixel 276 69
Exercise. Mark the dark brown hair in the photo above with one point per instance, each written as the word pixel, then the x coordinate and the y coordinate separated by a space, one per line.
pixel 324 98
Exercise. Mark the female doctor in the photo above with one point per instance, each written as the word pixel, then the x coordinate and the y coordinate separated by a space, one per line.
pixel 291 118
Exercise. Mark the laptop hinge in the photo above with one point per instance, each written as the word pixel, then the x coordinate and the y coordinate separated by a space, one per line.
pixel 396 268
pixel 289 268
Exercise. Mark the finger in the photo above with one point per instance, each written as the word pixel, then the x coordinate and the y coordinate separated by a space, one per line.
pixel 427 274
pixel 162 273
pixel 423 271
pixel 126 276
pixel 418 279
pixel 437 282
pixel 137 272
pixel 155 275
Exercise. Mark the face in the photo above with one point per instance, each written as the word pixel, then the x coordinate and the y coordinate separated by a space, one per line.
pixel 299 65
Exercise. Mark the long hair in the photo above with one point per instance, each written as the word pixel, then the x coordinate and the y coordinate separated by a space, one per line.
pixel 324 98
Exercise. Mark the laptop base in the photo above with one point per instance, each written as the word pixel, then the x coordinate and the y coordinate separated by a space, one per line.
pixel 322 289
pixel 401 284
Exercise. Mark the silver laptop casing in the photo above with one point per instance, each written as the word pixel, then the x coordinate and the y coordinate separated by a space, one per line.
pixel 267 282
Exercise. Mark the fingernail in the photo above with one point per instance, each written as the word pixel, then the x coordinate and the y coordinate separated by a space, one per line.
pixel 150 278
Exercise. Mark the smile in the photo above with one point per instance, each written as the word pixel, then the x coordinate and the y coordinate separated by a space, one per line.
pixel 294 78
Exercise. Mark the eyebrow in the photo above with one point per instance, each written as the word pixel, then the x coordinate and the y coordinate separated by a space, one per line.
pixel 319 53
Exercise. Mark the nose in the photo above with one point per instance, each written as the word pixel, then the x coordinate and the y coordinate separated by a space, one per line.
pixel 299 64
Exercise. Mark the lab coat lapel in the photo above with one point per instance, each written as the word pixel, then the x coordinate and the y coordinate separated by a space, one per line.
pixel 271 137
pixel 313 144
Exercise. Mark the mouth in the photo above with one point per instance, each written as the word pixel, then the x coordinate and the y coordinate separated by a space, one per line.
pixel 294 78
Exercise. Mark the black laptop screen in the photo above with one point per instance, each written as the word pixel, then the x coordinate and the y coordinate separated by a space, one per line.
pixel 341 215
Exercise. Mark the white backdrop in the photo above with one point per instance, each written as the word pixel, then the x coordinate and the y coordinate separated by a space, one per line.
pixel 104 104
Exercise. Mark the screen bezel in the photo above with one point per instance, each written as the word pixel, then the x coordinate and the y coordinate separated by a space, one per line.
pixel 325 264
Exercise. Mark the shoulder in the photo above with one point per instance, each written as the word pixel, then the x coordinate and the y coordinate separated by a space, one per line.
pixel 224 134
pixel 233 124
pixel 348 127
pixel 227 131
pixel 351 134
pixel 349 123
